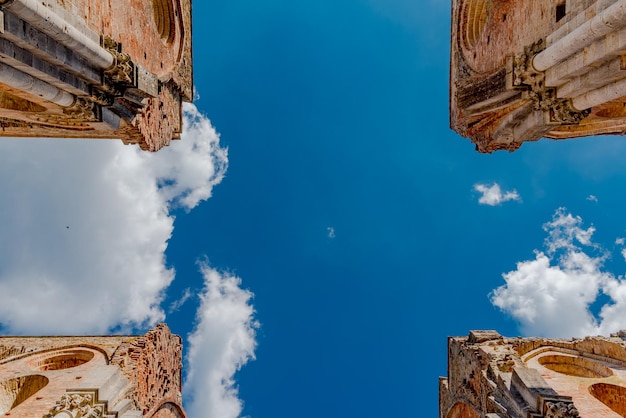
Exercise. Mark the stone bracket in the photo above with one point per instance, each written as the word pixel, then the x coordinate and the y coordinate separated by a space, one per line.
pixel 122 73
pixel 101 97
pixel 127 87
pixel 558 407
pixel 525 76
pixel 83 109
pixel 126 75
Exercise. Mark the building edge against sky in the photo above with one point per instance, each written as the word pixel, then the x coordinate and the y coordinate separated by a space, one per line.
pixel 83 69
pixel 496 377
pixel 92 376
pixel 529 69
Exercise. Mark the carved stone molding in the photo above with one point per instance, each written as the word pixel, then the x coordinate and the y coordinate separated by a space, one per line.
pixel 123 70
pixel 78 405
pixel 82 109
pixel 543 98
pixel 12 123
pixel 560 409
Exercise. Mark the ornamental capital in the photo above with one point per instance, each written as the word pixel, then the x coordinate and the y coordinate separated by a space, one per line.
pixel 77 405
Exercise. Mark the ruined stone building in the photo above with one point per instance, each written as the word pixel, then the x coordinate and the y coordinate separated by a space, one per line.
pixel 490 376
pixel 95 69
pixel 526 69
pixel 92 377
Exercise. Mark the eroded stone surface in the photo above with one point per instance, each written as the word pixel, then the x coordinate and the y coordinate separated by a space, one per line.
pixel 122 376
pixel 91 69
pixel 500 99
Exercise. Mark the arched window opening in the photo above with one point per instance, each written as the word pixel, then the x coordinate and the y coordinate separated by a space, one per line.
pixel 575 366
pixel 473 20
pixel 164 17
pixel 611 395
pixel 15 391
pixel 61 360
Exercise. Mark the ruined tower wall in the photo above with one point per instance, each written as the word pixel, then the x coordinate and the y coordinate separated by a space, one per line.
pixel 118 376
pixel 496 377
pixel 95 69
pixel 523 70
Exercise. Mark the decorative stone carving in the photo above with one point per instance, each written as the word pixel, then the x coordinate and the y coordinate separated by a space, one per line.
pixel 78 405
pixel 123 70
pixel 544 98
pixel 560 409
pixel 101 98
pixel 82 109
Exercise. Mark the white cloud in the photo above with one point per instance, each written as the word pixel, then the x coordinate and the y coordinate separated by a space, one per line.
pixel 176 305
pixel 493 195
pixel 592 198
pixel 107 270
pixel 619 241
pixel 223 340
pixel 551 294
pixel 331 232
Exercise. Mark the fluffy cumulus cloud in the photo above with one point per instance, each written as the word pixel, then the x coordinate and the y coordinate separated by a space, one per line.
pixel 493 195
pixel 224 339
pixel 551 295
pixel 85 225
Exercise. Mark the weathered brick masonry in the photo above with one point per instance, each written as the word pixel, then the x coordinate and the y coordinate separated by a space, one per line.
pixel 95 69
pixel 92 377
pixel 526 69
pixel 495 377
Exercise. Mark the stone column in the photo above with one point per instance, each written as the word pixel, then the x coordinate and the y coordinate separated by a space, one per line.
pixel 55 26
pixel 607 21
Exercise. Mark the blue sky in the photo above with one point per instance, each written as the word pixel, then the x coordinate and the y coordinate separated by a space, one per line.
pixel 318 216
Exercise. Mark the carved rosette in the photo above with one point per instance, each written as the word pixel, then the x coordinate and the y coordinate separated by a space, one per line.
pixel 543 98
pixel 560 409
pixel 78 405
